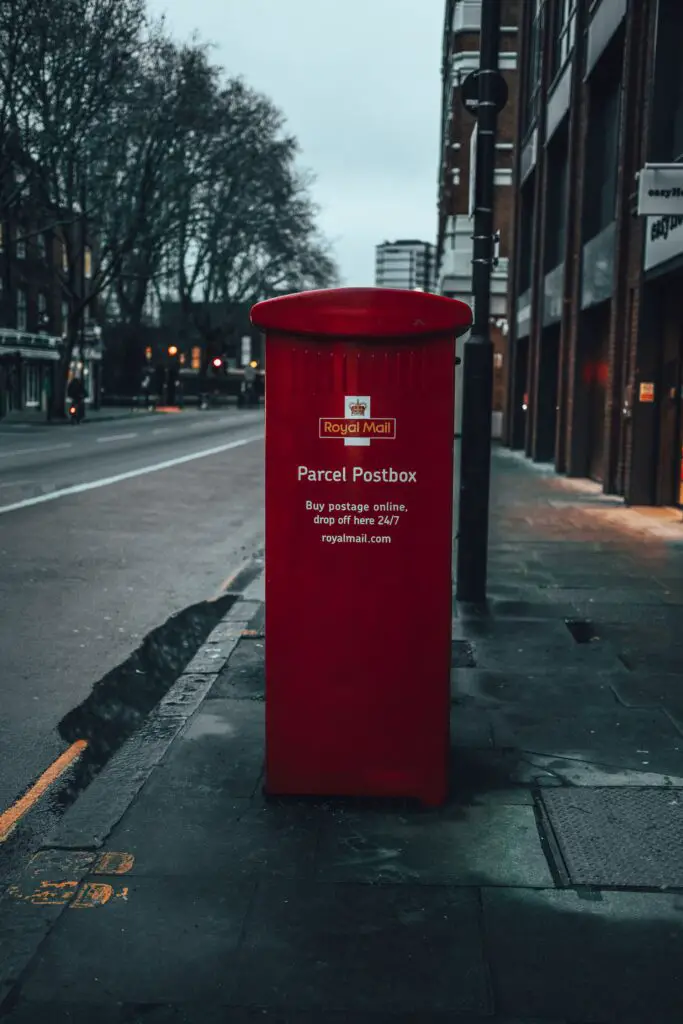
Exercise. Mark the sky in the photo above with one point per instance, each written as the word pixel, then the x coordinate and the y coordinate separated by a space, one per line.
pixel 359 83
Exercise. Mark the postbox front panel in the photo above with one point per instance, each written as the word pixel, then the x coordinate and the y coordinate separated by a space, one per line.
pixel 359 465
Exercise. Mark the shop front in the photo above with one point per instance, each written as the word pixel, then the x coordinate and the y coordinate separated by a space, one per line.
pixel 661 395
pixel 28 363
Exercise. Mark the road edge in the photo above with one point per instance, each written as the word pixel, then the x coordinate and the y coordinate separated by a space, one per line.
pixel 87 824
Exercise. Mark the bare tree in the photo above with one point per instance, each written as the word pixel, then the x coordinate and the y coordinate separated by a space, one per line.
pixel 247 221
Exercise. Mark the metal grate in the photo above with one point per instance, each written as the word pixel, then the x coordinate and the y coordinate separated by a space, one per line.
pixel 618 836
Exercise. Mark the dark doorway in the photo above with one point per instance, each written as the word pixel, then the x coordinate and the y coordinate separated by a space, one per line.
pixel 670 390
pixel 520 399
pixel 549 365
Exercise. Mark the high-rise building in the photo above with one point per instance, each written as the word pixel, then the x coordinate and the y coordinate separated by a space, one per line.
pixel 460 56
pixel 406 263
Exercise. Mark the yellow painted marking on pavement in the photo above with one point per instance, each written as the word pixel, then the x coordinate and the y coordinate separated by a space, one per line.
pixel 46 894
pixel 92 894
pixel 78 896
pixel 114 864
pixel 13 815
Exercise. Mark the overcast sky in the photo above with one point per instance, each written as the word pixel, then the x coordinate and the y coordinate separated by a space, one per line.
pixel 359 82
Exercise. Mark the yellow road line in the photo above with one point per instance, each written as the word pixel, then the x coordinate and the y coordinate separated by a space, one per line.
pixel 10 818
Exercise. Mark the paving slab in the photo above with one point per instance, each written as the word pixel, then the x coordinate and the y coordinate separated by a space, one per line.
pixel 364 948
pixel 222 745
pixel 171 940
pixel 653 689
pixel 206 1013
pixel 634 739
pixel 497 844
pixel 602 957
pixel 244 676
pixel 571 690
pixel 212 834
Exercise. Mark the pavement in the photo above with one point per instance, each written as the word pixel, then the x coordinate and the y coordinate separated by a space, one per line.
pixel 105 537
pixel 549 889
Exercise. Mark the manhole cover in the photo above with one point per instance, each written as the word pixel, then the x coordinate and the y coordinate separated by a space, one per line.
pixel 619 836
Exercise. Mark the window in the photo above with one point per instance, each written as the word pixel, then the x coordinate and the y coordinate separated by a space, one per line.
pixel 32 386
pixel 564 33
pixel 667 106
pixel 602 156
pixel 65 259
pixel 467 15
pixel 87 262
pixel 65 318
pixel 43 318
pixel 42 247
pixel 196 358
pixel 21 248
pixel 526 234
pixel 557 193
pixel 533 85
pixel 22 307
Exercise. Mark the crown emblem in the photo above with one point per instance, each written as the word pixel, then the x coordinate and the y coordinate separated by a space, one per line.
pixel 358 408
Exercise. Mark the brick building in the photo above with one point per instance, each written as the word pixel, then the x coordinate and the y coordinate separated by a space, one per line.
pixel 460 56
pixel 34 310
pixel 596 370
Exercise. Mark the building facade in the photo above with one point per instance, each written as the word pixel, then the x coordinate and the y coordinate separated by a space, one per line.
pixel 406 263
pixel 460 56
pixel 34 310
pixel 595 381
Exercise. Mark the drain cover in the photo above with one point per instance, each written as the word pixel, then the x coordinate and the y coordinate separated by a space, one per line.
pixel 619 836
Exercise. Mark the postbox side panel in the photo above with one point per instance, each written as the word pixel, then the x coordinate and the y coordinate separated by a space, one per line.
pixel 359 462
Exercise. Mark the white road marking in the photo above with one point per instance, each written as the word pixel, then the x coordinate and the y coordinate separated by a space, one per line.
pixel 114 437
pixel 161 430
pixel 34 451
pixel 16 483
pixel 130 474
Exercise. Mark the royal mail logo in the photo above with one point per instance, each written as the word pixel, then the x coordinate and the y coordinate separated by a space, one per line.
pixel 357 427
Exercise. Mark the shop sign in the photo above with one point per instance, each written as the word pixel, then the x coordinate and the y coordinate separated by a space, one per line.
pixel 646 392
pixel 663 240
pixel 660 190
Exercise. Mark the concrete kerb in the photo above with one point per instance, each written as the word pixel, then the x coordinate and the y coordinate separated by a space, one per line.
pixel 91 819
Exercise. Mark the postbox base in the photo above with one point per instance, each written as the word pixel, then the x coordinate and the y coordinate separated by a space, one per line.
pixel 434 795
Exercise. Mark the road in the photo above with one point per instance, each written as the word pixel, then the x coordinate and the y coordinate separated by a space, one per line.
pixel 106 530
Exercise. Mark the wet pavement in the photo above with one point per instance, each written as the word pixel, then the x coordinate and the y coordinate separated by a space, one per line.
pixel 549 889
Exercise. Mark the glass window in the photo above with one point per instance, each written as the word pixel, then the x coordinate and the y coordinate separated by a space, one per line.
pixel 22 307
pixel 467 15
pixel 43 318
pixel 564 33
pixel 65 259
pixel 87 262
pixel 21 248
pixel 42 246
pixel 65 318
pixel 32 386
pixel 531 107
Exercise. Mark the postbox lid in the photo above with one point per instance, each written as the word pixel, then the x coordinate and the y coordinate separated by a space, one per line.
pixel 362 312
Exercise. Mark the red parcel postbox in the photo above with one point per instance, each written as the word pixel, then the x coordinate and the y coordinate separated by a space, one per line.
pixel 359 495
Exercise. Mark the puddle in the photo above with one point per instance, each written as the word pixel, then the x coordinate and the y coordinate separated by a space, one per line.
pixel 120 702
